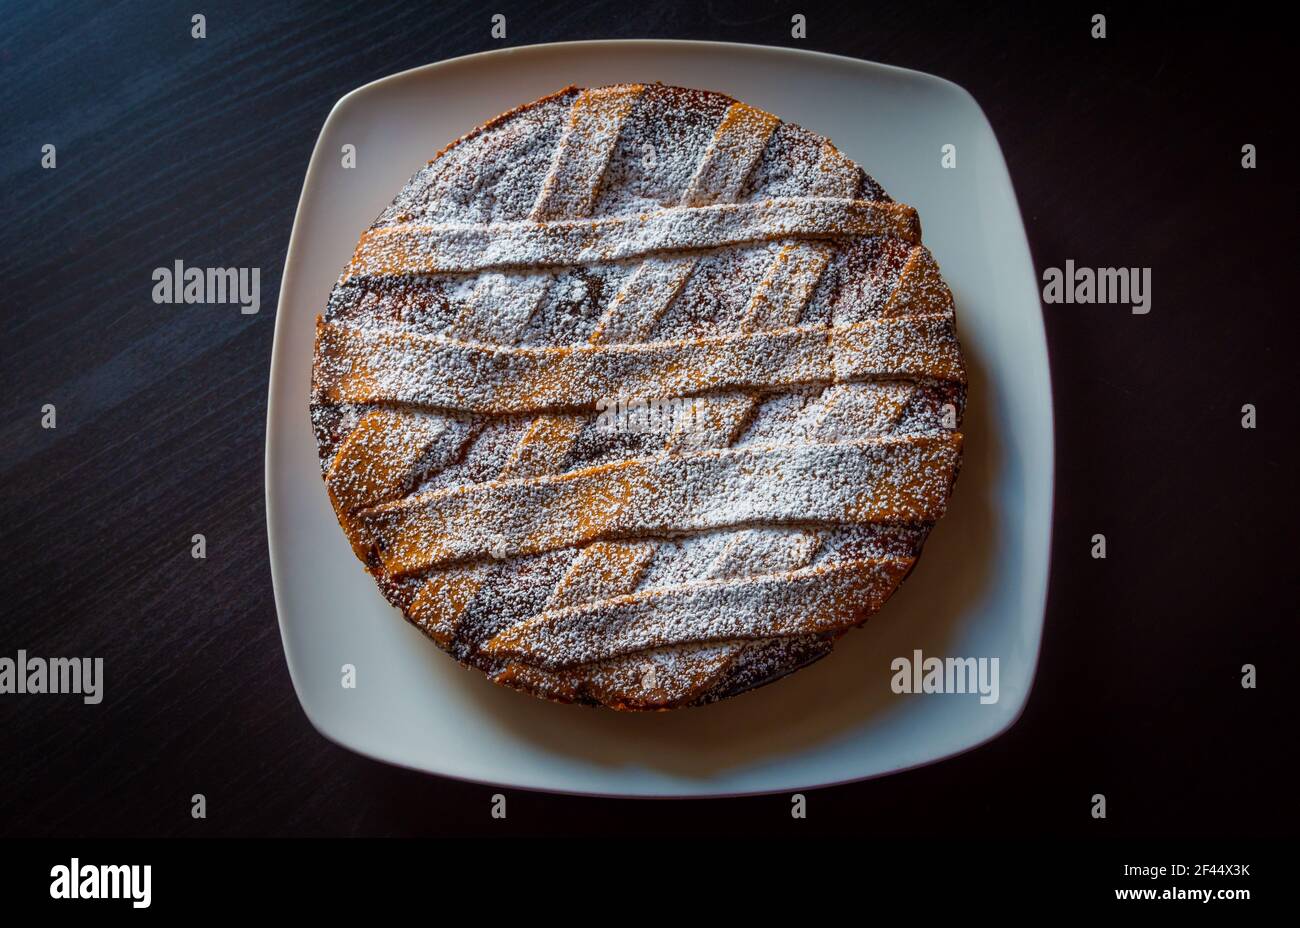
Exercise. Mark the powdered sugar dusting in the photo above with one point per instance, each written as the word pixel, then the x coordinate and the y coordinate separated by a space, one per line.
pixel 645 242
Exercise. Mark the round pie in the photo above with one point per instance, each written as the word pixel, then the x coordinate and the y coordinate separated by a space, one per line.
pixel 638 396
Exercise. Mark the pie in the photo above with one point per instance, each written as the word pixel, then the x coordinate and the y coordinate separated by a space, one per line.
pixel 638 396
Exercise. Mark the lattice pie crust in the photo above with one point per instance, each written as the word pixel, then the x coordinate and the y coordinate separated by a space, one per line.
pixel 601 247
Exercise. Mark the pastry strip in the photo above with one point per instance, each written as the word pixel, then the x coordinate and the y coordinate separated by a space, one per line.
pixel 369 365
pixel 810 600
pixel 735 148
pixel 448 248
pixel 897 480
pixel 920 289
pixel 580 160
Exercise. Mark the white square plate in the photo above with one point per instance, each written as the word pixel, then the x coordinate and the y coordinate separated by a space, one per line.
pixel 979 590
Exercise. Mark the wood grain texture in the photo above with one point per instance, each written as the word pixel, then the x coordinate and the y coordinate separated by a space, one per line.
pixel 1124 152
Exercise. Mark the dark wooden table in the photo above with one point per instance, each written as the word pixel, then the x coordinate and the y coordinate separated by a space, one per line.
pixel 1124 151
